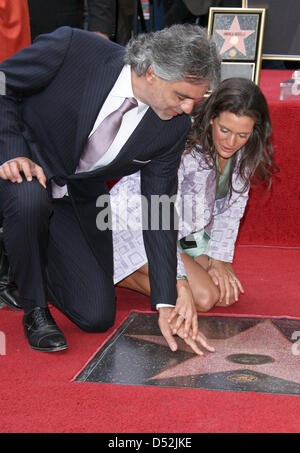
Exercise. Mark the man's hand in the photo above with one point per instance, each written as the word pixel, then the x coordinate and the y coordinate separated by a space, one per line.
pixel 184 312
pixel 165 326
pixel 193 343
pixel 167 330
pixel 12 169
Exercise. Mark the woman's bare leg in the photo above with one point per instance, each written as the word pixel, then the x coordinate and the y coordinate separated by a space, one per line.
pixel 213 292
pixel 138 281
pixel 205 293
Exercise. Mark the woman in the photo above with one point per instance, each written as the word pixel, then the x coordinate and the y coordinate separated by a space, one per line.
pixel 227 148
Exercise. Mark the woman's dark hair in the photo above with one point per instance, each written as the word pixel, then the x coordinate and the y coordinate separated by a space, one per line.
pixel 241 97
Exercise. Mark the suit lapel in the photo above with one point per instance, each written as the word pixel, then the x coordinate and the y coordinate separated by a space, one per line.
pixel 135 146
pixel 99 82
pixel 149 123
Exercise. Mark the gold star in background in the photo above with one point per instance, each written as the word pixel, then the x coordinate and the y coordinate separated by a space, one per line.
pixel 234 37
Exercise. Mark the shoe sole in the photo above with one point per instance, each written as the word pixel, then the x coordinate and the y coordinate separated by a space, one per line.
pixel 58 348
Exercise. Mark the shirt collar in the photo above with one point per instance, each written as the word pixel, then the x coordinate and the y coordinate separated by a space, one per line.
pixel 123 87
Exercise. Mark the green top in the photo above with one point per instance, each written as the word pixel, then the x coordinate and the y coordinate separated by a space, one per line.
pixel 222 180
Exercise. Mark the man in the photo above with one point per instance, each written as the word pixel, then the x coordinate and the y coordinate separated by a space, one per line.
pixel 187 11
pixel 59 93
pixel 14 35
pixel 44 18
pixel 95 15
pixel 199 8
pixel 109 18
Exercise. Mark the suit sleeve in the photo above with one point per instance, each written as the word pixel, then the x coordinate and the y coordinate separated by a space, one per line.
pixel 26 73
pixel 102 16
pixel 159 184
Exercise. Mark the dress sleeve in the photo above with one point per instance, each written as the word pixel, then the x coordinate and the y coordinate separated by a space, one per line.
pixel 224 226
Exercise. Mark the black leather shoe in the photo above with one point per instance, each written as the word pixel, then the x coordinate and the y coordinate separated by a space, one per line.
pixel 42 332
pixel 9 294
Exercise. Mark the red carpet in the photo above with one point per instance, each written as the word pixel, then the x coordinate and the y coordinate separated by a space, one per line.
pixel 37 393
pixel 273 218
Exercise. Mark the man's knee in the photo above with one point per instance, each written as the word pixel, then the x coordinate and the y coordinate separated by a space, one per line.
pixel 93 314
pixel 97 323
pixel 34 200
pixel 28 200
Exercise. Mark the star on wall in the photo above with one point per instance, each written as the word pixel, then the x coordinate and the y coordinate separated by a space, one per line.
pixel 261 341
pixel 234 37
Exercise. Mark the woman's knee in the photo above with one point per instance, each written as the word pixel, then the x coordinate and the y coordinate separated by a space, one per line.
pixel 206 299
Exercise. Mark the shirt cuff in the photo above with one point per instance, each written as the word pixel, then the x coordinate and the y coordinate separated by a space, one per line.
pixel 164 305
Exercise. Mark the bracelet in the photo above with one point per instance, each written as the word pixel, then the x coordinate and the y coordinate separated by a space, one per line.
pixel 181 277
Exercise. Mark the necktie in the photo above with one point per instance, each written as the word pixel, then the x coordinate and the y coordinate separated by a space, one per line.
pixel 99 142
pixel 104 135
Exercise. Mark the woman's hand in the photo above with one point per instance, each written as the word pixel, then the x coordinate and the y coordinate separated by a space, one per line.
pixel 185 312
pixel 224 277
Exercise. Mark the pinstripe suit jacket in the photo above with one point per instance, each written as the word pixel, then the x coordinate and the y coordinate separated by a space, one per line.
pixel 54 91
pixel 197 209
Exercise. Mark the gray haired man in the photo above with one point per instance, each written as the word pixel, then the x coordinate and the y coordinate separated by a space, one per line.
pixel 56 157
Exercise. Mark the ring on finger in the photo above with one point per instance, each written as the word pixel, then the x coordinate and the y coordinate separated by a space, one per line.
pixel 233 281
pixel 181 314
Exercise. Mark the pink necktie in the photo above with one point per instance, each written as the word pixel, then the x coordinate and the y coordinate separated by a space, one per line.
pixel 99 142
pixel 104 135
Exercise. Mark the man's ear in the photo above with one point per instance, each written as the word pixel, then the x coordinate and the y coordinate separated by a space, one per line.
pixel 150 76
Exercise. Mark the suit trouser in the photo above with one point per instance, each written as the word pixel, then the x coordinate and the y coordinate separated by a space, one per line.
pixel 51 259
